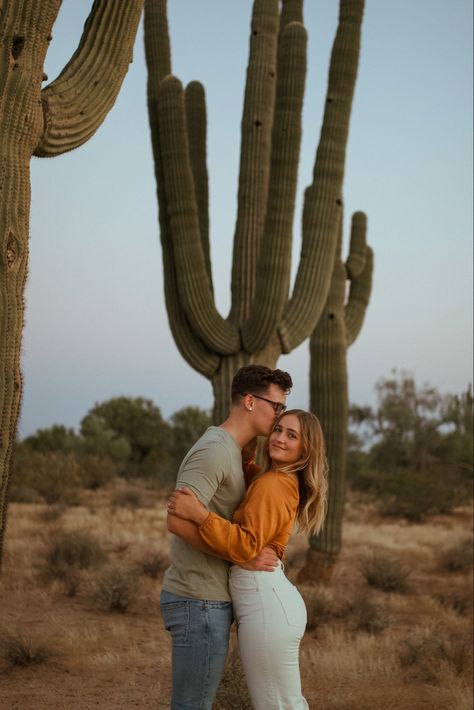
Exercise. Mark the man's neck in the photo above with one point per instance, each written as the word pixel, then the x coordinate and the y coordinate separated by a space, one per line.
pixel 239 429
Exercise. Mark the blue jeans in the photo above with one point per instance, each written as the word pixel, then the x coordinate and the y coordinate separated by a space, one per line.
pixel 199 631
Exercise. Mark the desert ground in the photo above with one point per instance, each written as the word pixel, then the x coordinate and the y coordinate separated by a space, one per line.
pixel 393 629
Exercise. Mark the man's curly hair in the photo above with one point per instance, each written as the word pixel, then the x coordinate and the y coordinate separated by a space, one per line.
pixel 255 379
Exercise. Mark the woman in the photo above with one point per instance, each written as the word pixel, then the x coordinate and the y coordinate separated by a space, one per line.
pixel 270 612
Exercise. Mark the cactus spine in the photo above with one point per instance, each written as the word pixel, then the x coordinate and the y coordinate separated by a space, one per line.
pixel 47 122
pixel 337 329
pixel 264 321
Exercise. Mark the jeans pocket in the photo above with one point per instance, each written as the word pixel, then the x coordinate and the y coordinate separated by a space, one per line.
pixel 176 617
pixel 292 605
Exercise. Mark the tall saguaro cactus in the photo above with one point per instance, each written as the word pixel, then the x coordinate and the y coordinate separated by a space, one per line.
pixel 338 327
pixel 264 320
pixel 47 122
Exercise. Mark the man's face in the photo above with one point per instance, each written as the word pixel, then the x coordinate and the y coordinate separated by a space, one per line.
pixel 264 411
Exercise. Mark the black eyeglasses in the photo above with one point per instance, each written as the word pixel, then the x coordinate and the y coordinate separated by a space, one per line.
pixel 278 407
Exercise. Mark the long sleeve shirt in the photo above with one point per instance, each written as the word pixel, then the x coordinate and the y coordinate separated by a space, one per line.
pixel 264 518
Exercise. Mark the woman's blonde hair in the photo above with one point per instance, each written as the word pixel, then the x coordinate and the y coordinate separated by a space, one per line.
pixel 311 469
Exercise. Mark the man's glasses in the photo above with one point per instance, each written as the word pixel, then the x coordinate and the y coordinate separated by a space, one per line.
pixel 278 407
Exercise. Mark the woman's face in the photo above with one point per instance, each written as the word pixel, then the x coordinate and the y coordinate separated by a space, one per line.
pixel 284 443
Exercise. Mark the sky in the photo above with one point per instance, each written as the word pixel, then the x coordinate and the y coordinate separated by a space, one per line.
pixel 96 323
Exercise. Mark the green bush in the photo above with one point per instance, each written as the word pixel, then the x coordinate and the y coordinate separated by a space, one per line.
pixel 96 471
pixel 320 605
pixel 53 476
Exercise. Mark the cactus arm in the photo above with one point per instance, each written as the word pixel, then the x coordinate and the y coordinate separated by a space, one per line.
pixel 77 102
pixel 358 300
pixel 197 122
pixel 274 261
pixel 191 348
pixel 256 128
pixel 192 279
pixel 291 11
pixel 321 213
pixel 355 261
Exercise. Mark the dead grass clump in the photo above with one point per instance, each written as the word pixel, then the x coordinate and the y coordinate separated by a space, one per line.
pixel 385 572
pixel 366 614
pixel 457 558
pixel 232 692
pixel 116 588
pixel 460 600
pixel 437 654
pixel 127 498
pixel 153 564
pixel 22 493
pixel 19 649
pixel 51 513
pixel 320 605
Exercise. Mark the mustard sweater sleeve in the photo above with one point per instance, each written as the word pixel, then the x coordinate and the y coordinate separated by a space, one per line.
pixel 269 507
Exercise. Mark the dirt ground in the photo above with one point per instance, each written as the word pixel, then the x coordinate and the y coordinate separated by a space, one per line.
pixel 109 660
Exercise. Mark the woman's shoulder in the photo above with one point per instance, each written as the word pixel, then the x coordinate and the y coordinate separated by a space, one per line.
pixel 275 478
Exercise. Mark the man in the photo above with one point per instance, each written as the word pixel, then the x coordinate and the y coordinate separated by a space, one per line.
pixel 195 600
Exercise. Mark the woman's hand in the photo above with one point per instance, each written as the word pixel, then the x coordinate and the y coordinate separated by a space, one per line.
pixel 184 504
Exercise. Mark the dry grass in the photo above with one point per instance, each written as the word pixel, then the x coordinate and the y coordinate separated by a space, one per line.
pixel 367 649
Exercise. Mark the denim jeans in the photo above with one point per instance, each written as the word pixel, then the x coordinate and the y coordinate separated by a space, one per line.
pixel 199 631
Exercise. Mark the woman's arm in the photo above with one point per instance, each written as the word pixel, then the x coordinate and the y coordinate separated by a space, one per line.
pixel 265 561
pixel 269 507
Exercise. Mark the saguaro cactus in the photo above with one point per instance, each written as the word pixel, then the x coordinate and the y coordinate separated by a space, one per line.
pixel 47 122
pixel 338 327
pixel 263 321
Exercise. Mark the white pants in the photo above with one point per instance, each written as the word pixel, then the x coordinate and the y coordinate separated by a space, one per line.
pixel 271 620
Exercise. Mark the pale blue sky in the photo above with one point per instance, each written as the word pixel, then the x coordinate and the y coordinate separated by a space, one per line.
pixel 96 324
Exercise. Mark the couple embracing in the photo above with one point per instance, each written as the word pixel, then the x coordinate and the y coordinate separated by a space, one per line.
pixel 231 522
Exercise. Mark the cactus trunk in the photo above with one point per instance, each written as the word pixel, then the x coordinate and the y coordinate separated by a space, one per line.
pixel 45 123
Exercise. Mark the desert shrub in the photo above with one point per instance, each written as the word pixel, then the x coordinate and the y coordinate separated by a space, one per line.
pixel 127 498
pixel 232 692
pixel 116 588
pixel 54 476
pixel 22 493
pixel 458 557
pixel 51 513
pixel 432 651
pixel 385 572
pixel 153 564
pixel 366 614
pixel 460 600
pixel 96 471
pixel 320 605
pixel 77 548
pixel 19 649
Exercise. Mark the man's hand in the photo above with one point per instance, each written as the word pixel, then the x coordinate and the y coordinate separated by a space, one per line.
pixel 266 561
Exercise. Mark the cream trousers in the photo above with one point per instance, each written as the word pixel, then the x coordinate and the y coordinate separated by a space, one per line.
pixel 271 620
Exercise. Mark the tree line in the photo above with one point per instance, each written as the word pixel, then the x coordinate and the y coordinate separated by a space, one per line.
pixel 412 452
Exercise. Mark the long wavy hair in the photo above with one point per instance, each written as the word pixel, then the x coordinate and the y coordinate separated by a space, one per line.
pixel 311 469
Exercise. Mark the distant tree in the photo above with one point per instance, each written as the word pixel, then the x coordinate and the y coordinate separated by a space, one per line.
pixel 136 421
pixel 188 425
pixel 56 438
pixel 416 450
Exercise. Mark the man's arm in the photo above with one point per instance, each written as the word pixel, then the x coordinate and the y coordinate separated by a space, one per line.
pixel 265 561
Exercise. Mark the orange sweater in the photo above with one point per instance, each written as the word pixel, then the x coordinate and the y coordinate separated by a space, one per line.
pixel 264 518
